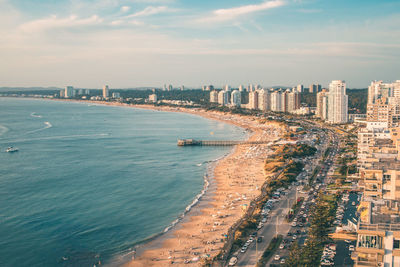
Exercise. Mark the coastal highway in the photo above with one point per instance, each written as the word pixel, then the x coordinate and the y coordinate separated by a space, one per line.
pixel 276 222
pixel 280 210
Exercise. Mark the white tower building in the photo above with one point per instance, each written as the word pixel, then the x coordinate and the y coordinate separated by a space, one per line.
pixel 223 98
pixel 337 102
pixel 236 98
pixel 69 92
pixel 214 97
pixel 105 91
pixel 253 100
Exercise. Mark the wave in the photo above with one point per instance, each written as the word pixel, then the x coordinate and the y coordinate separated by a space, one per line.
pixel 33 114
pixel 191 205
pixel 57 137
pixel 48 125
pixel 3 129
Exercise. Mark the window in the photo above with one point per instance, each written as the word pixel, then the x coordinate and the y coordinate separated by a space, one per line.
pixel 396 244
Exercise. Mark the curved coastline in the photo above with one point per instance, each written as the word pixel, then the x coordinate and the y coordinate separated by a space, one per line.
pixel 156 250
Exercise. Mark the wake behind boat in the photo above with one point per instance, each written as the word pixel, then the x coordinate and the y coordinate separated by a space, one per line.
pixel 11 149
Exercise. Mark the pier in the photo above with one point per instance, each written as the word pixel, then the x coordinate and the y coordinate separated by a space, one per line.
pixel 192 142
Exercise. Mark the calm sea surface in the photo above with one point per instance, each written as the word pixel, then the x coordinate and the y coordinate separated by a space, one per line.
pixel 90 181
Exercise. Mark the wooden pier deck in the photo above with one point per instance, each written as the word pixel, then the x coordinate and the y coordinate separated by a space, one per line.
pixel 192 142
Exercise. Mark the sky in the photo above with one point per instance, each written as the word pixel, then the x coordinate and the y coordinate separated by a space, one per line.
pixel 134 43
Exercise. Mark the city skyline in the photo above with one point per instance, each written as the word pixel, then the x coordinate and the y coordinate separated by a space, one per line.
pixel 149 43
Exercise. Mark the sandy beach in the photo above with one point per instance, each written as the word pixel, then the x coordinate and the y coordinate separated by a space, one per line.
pixel 236 180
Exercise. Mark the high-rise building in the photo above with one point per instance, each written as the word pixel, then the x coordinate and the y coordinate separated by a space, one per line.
pixel 264 101
pixel 250 88
pixel 386 110
pixel 253 100
pixel 116 95
pixel 312 88
pixel 214 97
pixel 182 88
pixel 170 87
pixel 223 98
pixel 227 88
pixel 300 88
pixel 292 101
pixel 105 91
pixel 236 98
pixel 87 92
pixel 241 89
pixel 276 101
pixel 322 104
pixel 379 89
pixel 153 98
pixel 210 88
pixel 69 92
pixel 337 102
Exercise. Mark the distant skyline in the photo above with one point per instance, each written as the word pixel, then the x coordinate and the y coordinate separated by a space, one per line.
pixel 148 43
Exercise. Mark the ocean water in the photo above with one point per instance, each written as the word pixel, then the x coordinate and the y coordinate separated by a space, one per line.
pixel 90 181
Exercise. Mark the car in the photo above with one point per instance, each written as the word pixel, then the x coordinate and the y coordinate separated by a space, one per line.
pixel 277 257
pixel 251 239
pixel 294 237
pixel 283 261
pixel 259 239
pixel 294 224
pixel 289 234
pixel 351 248
pixel 232 261
pixel 264 220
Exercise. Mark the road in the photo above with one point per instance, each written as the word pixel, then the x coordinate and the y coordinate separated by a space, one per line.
pixel 277 223
pixel 280 210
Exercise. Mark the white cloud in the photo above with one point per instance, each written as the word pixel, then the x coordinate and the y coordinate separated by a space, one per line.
pixel 55 22
pixel 125 8
pixel 232 13
pixel 150 10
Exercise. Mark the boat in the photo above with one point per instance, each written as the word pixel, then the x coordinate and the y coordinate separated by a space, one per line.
pixel 11 149
pixel 353 203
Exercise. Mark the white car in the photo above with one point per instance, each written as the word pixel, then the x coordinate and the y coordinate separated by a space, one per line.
pixel 282 246
pixel 294 224
pixel 351 248
pixel 277 257
pixel 233 261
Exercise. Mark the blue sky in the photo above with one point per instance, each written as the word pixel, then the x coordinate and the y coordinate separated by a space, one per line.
pixel 129 43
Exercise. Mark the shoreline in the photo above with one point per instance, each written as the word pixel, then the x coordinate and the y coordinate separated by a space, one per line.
pixel 233 181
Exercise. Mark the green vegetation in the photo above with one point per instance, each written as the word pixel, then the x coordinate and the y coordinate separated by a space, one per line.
pixel 269 251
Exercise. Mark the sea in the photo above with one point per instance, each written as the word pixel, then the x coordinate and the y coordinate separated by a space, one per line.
pixel 90 182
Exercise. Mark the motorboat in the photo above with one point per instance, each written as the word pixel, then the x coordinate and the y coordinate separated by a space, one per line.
pixel 11 149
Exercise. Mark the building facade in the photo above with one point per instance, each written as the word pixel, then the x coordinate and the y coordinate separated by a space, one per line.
pixel 337 102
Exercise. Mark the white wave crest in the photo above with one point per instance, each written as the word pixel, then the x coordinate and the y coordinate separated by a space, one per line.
pixel 47 126
pixel 33 114
pixel 3 129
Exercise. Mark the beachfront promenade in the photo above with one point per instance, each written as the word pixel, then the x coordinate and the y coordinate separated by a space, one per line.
pixel 192 142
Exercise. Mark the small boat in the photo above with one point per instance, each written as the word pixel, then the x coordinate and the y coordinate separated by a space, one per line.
pixel 11 149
